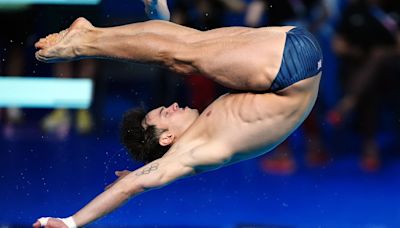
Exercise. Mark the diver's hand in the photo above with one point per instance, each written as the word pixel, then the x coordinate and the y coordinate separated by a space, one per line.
pixel 120 175
pixel 48 222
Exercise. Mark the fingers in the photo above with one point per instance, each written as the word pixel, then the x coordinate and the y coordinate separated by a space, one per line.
pixel 36 224
pixel 41 222
pixel 49 222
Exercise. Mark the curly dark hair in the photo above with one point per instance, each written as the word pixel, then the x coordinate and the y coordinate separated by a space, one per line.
pixel 142 144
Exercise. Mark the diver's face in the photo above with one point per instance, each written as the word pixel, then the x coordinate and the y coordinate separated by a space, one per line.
pixel 173 118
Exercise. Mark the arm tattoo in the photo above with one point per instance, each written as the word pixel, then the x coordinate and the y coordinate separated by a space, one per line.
pixel 148 169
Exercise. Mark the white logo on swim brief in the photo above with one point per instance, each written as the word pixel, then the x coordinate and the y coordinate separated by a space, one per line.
pixel 320 64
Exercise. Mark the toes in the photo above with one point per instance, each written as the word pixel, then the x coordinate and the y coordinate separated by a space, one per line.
pixel 63 33
pixel 39 56
pixel 46 56
pixel 42 56
pixel 41 43
pixel 52 39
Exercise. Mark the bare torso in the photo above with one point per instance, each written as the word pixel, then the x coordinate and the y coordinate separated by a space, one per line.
pixel 246 125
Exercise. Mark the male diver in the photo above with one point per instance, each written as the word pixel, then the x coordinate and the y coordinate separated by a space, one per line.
pixel 277 70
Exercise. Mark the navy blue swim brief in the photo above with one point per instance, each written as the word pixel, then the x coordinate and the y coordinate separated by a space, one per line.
pixel 302 58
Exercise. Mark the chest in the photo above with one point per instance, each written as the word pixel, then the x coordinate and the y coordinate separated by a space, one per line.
pixel 233 114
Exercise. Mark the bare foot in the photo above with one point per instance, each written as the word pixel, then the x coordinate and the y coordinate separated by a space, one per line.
pixel 63 46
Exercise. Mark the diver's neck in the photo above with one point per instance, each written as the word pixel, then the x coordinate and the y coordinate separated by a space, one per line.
pixel 194 136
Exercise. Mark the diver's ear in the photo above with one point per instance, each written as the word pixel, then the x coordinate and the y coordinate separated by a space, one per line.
pixel 166 138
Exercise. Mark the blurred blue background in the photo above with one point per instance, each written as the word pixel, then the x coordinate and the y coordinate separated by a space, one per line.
pixel 340 169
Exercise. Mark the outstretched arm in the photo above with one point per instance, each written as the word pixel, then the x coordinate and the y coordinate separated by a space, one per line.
pixel 151 176
pixel 154 175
